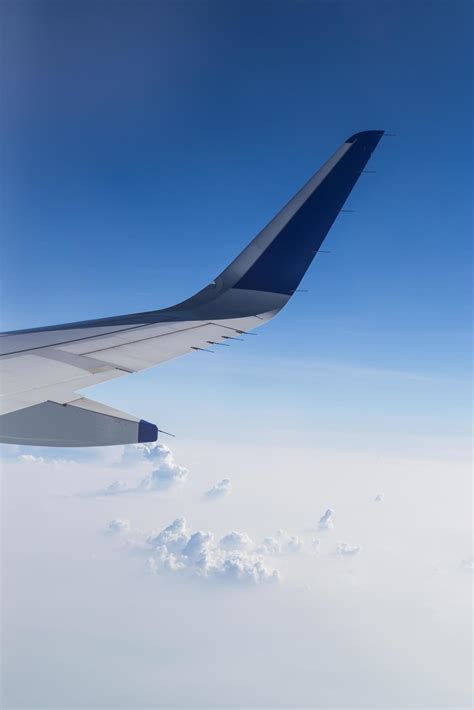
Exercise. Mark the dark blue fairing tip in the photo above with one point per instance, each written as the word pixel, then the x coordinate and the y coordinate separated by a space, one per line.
pixel 146 432
pixel 364 134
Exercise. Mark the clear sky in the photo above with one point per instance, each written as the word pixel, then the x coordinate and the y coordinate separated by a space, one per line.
pixel 143 145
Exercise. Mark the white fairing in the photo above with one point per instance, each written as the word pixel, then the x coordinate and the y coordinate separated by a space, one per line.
pixel 82 423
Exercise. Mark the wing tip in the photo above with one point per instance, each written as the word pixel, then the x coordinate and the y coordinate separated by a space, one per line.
pixel 147 432
pixel 364 134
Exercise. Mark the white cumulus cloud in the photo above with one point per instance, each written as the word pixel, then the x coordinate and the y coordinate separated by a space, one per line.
pixel 380 498
pixel 326 522
pixel 115 488
pixel 220 489
pixel 175 549
pixel 165 474
pixel 199 549
pixel 346 550
pixel 242 568
pixel 270 546
pixel 33 459
pixel 118 526
pixel 236 541
pixel 155 452
pixel 295 544
pixel 174 537
pixel 280 544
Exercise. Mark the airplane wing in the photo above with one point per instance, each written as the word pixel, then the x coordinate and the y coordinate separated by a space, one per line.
pixel 43 369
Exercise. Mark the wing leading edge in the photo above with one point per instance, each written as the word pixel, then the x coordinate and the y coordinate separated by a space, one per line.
pixel 46 366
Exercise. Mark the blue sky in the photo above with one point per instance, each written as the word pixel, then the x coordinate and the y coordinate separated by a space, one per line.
pixel 146 143
pixel 143 145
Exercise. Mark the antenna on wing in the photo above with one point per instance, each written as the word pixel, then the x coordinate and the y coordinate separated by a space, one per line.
pixel 167 433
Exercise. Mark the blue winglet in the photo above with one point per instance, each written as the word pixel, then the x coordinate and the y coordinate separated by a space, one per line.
pixel 364 134
pixel 146 432
pixel 282 265
pixel 274 262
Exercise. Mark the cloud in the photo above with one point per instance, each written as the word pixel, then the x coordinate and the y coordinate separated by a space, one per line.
pixel 327 520
pixel 380 498
pixel 165 475
pixel 174 537
pixel 118 526
pixel 270 546
pixel 295 544
pixel 115 488
pixel 155 452
pixel 220 489
pixel 236 541
pixel 29 458
pixel 61 455
pixel 198 548
pixel 246 569
pixel 468 565
pixel 164 561
pixel 33 459
pixel 280 544
pixel 177 550
pixel 346 550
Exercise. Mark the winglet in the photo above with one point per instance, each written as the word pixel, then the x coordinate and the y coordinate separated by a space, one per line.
pixel 146 432
pixel 364 135
pixel 264 276
pixel 277 259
